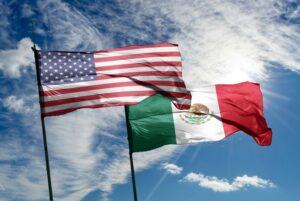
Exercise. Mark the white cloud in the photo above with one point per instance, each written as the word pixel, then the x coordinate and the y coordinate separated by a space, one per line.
pixel 22 105
pixel 171 168
pixel 13 62
pixel 223 185
pixel 15 104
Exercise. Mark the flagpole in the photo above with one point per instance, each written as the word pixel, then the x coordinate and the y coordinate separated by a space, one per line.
pixel 43 125
pixel 130 156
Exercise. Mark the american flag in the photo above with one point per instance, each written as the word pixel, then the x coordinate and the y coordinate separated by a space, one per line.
pixel 114 77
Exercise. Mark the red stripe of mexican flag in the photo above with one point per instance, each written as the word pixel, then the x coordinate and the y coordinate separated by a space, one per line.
pixel 217 112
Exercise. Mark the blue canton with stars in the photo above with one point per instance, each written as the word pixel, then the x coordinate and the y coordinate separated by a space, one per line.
pixel 66 67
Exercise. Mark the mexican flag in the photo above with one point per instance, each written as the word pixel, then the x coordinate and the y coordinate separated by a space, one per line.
pixel 216 112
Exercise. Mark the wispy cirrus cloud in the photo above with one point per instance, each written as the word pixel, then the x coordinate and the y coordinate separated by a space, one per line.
pixel 223 185
pixel 68 28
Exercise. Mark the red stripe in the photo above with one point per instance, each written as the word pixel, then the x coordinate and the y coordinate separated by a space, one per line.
pixel 147 84
pixel 133 74
pixel 144 64
pixel 132 47
pixel 110 95
pixel 136 56
pixel 241 108
pixel 60 112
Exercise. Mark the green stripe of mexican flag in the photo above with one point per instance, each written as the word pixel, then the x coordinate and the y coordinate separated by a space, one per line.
pixel 216 112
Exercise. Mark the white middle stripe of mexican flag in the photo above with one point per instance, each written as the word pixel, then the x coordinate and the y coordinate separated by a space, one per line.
pixel 191 128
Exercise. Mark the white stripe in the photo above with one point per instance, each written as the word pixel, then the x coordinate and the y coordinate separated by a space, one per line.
pixel 138 60
pixel 142 69
pixel 135 51
pixel 109 81
pixel 94 102
pixel 112 90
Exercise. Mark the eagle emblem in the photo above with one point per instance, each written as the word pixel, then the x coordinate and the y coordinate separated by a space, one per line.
pixel 197 114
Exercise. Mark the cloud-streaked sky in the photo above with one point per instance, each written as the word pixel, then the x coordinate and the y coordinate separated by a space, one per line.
pixel 220 42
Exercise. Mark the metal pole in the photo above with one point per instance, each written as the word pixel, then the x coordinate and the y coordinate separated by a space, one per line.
pixel 130 157
pixel 43 125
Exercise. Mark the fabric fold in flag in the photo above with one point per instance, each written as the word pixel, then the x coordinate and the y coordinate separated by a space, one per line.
pixel 114 77
pixel 216 113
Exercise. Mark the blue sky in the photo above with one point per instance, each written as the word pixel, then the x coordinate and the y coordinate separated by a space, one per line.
pixel 220 41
